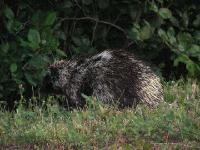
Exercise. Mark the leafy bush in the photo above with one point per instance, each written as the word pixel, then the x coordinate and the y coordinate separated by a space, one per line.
pixel 32 35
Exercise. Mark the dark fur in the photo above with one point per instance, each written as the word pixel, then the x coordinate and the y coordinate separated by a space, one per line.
pixel 110 76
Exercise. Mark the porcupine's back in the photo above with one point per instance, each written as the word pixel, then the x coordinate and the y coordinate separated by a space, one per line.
pixel 120 76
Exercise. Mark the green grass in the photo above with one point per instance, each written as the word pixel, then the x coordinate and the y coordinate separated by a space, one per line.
pixel 102 127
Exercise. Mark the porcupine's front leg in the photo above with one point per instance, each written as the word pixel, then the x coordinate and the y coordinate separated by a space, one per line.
pixel 73 96
pixel 77 86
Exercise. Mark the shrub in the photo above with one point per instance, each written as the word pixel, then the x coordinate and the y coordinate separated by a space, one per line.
pixel 33 35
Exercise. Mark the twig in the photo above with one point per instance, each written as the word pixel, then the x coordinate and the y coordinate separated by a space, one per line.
pixel 98 21
pixel 22 27
pixel 79 6
pixel 115 21
pixel 93 33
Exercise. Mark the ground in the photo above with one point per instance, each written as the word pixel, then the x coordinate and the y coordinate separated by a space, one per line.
pixel 175 126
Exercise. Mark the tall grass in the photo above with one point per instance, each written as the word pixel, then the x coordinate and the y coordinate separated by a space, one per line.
pixel 175 126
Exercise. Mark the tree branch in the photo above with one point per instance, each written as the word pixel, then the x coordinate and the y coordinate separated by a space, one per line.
pixel 98 21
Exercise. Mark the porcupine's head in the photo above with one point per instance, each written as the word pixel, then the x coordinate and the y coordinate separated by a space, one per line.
pixel 58 76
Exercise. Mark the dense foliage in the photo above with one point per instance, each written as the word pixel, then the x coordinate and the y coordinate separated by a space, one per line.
pixel 34 33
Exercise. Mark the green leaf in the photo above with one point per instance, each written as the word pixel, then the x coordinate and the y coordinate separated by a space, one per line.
pixel 34 38
pixel 17 26
pixel 5 47
pixel 185 39
pixel 61 35
pixel 61 53
pixel 77 41
pixel 153 7
pixel 182 58
pixel 36 17
pixel 50 19
pixel 156 22
pixel 49 40
pixel 134 34
pixel 13 67
pixel 185 18
pixel 37 62
pixel 87 2
pixel 165 13
pixel 23 43
pixel 9 25
pixel 196 22
pixel 86 41
pixel 9 13
pixel 76 50
pixel 103 4
pixel 67 4
pixel 30 79
pixel 193 68
pixel 162 34
pixel 194 50
pixel 171 35
pixel 197 35
pixel 174 21
pixel 145 32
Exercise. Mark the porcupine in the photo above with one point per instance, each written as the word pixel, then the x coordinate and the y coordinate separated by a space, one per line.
pixel 112 76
